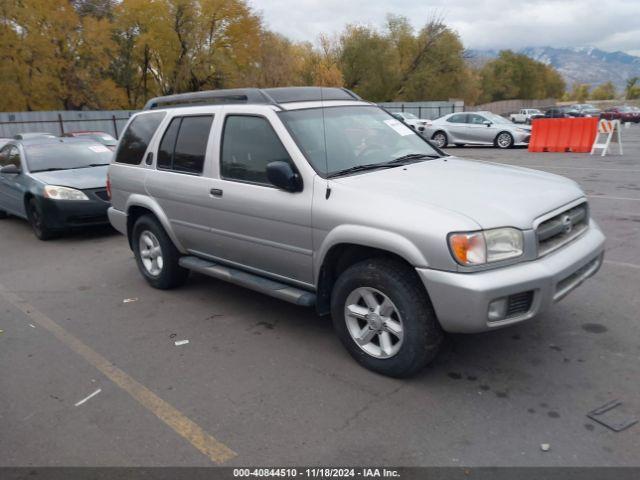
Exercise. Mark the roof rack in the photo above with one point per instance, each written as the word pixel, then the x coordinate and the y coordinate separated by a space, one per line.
pixel 269 96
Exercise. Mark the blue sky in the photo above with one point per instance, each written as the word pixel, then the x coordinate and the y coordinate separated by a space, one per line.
pixel 606 24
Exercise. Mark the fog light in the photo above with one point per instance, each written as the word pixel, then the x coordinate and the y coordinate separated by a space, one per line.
pixel 498 309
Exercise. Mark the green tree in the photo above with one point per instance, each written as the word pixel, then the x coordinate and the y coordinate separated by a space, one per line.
pixel 513 75
pixel 605 91
pixel 580 92
pixel 632 90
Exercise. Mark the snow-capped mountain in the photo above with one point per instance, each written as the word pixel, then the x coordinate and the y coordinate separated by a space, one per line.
pixel 578 64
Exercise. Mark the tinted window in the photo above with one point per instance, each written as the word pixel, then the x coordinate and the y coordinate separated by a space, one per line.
pixel 4 156
pixel 459 118
pixel 65 156
pixel 136 138
pixel 168 144
pixel 475 119
pixel 191 145
pixel 248 145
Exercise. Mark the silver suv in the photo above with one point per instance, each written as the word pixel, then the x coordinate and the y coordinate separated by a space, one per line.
pixel 316 197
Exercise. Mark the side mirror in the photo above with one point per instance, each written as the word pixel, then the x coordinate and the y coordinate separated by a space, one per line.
pixel 487 123
pixel 10 170
pixel 282 176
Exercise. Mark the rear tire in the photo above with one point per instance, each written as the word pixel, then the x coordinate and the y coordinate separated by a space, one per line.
pixel 384 318
pixel 156 255
pixel 36 220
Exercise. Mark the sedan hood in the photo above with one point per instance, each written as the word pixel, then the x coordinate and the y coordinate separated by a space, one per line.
pixel 491 194
pixel 79 178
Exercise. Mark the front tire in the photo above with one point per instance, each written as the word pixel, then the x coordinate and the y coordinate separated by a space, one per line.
pixel 36 220
pixel 504 140
pixel 384 317
pixel 3 215
pixel 440 139
pixel 156 255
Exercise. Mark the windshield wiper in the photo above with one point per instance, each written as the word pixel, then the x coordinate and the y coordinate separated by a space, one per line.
pixel 411 156
pixel 396 162
pixel 90 165
pixel 47 170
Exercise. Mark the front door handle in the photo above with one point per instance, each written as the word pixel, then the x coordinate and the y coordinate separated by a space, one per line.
pixel 216 192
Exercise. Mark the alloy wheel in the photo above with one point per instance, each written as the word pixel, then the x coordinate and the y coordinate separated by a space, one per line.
pixel 504 140
pixel 374 323
pixel 150 253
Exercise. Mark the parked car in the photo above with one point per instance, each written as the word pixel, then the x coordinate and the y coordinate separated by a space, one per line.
pixel 54 183
pixel 583 110
pixel 411 120
pixel 623 113
pixel 477 128
pixel 31 135
pixel 318 198
pixel 557 112
pixel 104 138
pixel 526 115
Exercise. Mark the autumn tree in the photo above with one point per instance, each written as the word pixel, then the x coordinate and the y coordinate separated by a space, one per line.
pixel 605 91
pixel 632 88
pixel 579 92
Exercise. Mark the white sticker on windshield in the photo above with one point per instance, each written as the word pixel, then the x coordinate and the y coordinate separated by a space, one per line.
pixel 399 127
pixel 99 148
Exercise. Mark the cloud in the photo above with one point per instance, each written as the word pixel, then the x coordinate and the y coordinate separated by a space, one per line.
pixel 610 25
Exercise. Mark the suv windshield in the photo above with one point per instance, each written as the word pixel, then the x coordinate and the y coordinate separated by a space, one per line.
pixel 65 156
pixel 338 138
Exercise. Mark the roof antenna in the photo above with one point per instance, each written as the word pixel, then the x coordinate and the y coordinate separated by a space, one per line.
pixel 324 134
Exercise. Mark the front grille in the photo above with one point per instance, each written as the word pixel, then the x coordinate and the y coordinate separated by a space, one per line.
pixel 561 229
pixel 519 304
pixel 102 194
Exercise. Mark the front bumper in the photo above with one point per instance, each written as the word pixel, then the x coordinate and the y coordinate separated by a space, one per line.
pixel 61 214
pixel 461 300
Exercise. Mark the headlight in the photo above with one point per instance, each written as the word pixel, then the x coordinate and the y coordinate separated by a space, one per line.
pixel 55 192
pixel 478 248
pixel 523 130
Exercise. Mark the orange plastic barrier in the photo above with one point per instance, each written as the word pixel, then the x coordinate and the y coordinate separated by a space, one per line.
pixel 563 134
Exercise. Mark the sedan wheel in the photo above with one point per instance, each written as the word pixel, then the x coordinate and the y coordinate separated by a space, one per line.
pixel 504 140
pixel 440 139
pixel 151 253
pixel 373 322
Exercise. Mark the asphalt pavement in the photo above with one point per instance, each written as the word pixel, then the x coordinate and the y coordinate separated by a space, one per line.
pixel 263 382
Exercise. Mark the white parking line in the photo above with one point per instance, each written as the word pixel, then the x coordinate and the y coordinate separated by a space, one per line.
pixel 623 264
pixel 621 170
pixel 607 197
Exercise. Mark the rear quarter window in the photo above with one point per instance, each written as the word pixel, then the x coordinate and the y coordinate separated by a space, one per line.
pixel 136 138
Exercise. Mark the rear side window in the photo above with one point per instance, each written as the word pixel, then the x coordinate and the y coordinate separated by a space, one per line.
pixel 136 138
pixel 184 145
pixel 459 118
pixel 249 144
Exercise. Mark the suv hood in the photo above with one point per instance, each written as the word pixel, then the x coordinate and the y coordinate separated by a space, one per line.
pixel 493 195
pixel 80 178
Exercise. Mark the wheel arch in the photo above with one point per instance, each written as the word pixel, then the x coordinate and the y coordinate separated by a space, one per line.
pixel 349 245
pixel 139 205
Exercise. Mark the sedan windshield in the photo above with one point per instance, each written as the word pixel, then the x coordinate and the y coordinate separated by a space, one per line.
pixel 335 139
pixel 66 156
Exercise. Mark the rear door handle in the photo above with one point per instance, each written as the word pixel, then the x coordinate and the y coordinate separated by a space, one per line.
pixel 216 192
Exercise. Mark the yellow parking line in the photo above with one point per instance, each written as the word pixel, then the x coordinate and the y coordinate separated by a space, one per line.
pixel 183 426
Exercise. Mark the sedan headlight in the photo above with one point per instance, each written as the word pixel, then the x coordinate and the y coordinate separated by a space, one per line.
pixel 478 248
pixel 55 192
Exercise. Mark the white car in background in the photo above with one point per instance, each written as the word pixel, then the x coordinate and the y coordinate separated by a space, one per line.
pixel 526 115
pixel 476 128
pixel 418 124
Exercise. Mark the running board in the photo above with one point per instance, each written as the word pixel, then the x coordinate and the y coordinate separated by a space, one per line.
pixel 254 282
